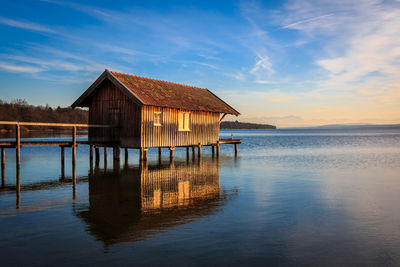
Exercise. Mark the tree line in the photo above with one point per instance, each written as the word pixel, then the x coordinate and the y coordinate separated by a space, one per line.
pixel 21 110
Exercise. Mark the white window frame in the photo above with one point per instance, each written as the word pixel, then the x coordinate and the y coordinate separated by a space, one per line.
pixel 154 121
pixel 184 118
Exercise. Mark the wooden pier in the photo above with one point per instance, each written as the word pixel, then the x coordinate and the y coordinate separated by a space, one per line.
pixel 17 144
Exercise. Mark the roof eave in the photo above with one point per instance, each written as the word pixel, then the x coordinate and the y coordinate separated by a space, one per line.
pixel 105 75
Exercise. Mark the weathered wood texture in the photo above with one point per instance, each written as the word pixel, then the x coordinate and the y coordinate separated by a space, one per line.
pixel 204 128
pixel 135 125
pixel 109 106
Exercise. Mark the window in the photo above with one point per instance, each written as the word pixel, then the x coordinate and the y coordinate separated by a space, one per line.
pixel 157 118
pixel 184 121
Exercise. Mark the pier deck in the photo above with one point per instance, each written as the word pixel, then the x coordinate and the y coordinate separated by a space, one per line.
pixel 17 144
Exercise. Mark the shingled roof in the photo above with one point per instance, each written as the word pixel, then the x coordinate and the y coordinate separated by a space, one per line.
pixel 152 92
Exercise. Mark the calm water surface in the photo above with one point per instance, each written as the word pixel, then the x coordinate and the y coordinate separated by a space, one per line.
pixel 291 197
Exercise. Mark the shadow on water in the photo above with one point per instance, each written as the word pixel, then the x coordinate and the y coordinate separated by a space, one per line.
pixel 138 202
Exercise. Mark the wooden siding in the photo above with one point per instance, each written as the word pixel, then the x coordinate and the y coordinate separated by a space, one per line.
pixel 204 128
pixel 110 106
pixel 135 125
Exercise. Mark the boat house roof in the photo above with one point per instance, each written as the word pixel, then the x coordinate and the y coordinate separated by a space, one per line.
pixel 152 92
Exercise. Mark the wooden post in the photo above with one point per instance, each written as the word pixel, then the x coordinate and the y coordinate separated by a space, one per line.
pixel 105 158
pixel 18 159
pixel 97 155
pixel 91 155
pixel 91 158
pixel 217 147
pixel 117 157
pixel 73 182
pixel 3 167
pixel 236 150
pixel 18 189
pixel 171 153
pixel 126 154
pixel 143 154
pixel 159 152
pixel 187 153
pixel 62 163
pixel 193 151
pixel 199 146
pixel 213 150
pixel 74 158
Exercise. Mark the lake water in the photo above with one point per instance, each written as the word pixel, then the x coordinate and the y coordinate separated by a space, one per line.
pixel 291 197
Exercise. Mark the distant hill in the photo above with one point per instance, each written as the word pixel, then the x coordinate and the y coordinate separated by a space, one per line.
pixel 244 125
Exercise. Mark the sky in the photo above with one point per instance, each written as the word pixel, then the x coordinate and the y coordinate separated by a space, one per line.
pixel 287 63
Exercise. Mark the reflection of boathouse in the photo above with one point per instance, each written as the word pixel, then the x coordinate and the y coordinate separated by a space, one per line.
pixel 136 202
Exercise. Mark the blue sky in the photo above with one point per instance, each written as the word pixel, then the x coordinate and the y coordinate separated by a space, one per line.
pixel 290 63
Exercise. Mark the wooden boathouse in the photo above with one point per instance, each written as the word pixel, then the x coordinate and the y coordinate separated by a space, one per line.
pixel 127 111
pixel 147 113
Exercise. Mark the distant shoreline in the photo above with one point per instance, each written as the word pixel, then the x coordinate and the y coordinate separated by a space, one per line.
pixel 345 127
pixel 244 125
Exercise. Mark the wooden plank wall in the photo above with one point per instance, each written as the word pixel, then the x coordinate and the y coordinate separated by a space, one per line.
pixel 204 128
pixel 108 101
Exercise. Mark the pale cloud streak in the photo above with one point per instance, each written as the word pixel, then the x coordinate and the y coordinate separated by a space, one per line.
pixel 19 68
pixel 26 25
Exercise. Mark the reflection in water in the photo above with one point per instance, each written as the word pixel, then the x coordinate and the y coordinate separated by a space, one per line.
pixel 130 205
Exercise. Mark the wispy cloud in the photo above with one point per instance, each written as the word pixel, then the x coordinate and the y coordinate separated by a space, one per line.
pixel 19 68
pixel 26 25
pixel 294 24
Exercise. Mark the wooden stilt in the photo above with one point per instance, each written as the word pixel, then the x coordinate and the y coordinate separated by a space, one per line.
pixel 213 150
pixel 62 163
pixel 187 153
pixel 217 148
pixel 143 154
pixel 18 188
pixel 117 157
pixel 17 158
pixel 193 151
pixel 74 158
pixel 3 167
pixel 126 154
pixel 97 155
pixel 91 154
pixel 159 152
pixel 236 150
pixel 73 181
pixel 199 147
pixel 105 159
pixel 171 153
pixel 91 158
